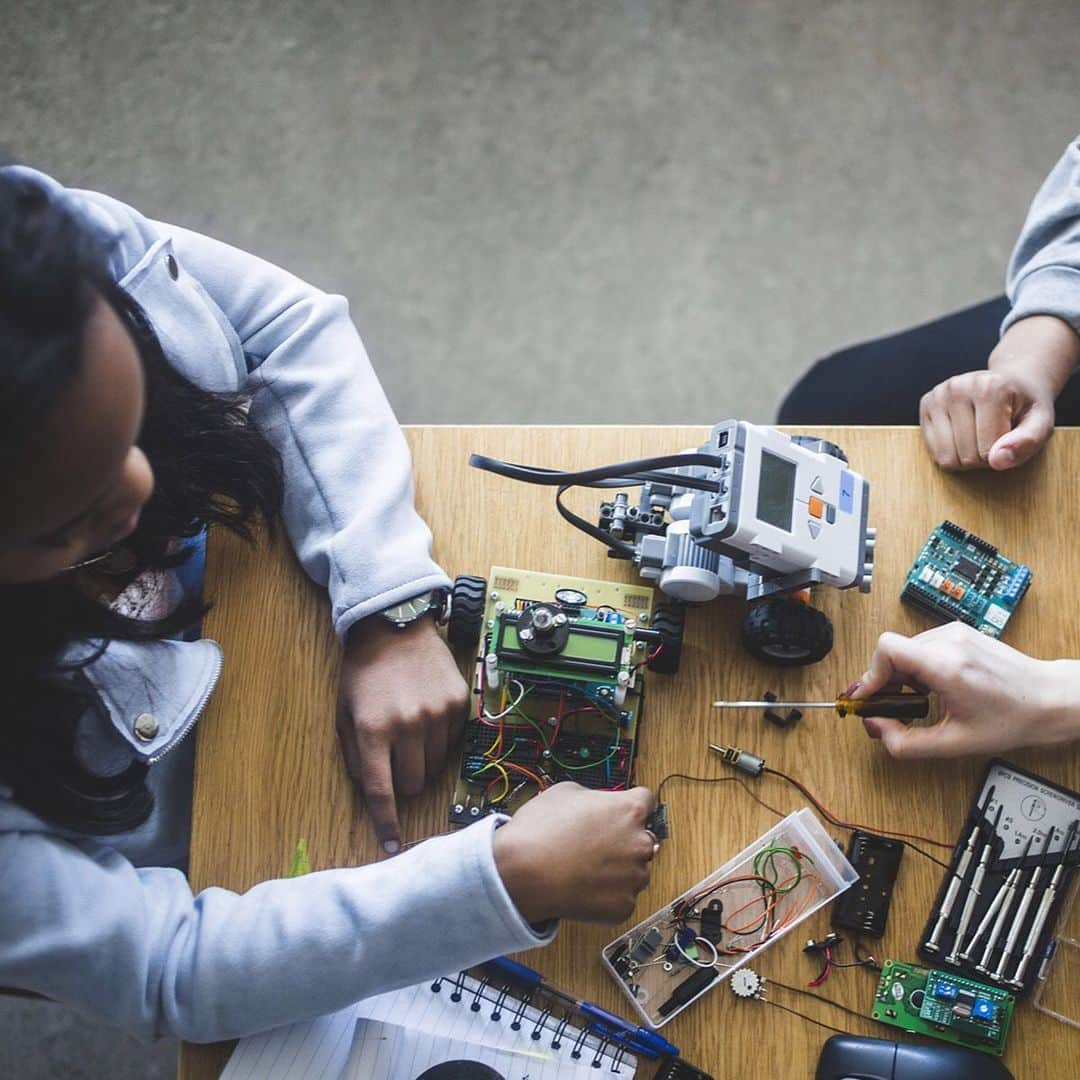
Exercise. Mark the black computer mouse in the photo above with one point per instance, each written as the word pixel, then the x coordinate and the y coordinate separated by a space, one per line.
pixel 856 1057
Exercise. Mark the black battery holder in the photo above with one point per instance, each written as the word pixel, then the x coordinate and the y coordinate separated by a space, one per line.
pixel 1021 844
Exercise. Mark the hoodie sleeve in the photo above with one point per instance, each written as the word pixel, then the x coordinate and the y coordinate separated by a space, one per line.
pixel 348 474
pixel 134 947
pixel 1044 272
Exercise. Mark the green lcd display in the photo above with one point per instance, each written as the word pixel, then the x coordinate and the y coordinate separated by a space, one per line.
pixel 595 650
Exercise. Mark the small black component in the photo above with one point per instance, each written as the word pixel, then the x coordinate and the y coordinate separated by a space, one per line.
pixel 864 908
pixel 786 633
pixel 829 941
pixel 953 530
pixel 571 598
pixel 979 544
pixel 668 620
pixel 657 822
pixel 688 988
pixel 966 568
pixel 677 1069
pixel 712 922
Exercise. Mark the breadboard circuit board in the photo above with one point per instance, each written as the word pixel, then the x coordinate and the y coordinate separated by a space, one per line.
pixel 943 1006
pixel 959 576
pixel 573 714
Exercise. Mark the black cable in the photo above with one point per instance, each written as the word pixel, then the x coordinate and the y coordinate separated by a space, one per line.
pixel 817 997
pixel 641 470
pixel 619 547
pixel 853 826
pixel 803 1016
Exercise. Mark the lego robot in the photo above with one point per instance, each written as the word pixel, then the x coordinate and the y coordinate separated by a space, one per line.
pixel 752 511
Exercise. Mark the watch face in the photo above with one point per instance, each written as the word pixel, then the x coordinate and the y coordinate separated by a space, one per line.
pixel 408 610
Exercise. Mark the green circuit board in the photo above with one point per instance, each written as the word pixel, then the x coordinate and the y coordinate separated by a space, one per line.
pixel 943 1006
pixel 959 576
pixel 572 714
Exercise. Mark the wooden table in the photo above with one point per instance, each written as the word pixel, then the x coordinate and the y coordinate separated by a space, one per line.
pixel 269 771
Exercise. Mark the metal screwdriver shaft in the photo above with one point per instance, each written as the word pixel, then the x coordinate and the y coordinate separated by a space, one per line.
pixel 996 913
pixel 972 897
pixel 957 879
pixel 1043 913
pixel 898 706
pixel 998 974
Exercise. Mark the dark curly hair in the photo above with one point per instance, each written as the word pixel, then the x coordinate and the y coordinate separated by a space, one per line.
pixel 212 465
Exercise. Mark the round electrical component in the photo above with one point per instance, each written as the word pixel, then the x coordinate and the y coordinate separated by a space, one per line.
pixel 543 629
pixel 571 597
pixel 747 983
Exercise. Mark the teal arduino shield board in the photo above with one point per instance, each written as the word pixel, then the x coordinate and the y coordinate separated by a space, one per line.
pixel 943 1006
pixel 959 576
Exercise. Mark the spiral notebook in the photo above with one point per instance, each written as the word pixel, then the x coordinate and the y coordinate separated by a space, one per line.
pixel 412 1033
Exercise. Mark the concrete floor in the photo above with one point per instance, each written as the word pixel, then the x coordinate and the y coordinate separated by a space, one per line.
pixel 551 212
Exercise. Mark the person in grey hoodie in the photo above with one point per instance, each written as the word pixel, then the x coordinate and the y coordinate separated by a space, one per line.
pixel 986 385
pixel 152 382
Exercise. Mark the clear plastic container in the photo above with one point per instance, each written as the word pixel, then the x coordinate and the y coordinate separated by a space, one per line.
pixel 728 918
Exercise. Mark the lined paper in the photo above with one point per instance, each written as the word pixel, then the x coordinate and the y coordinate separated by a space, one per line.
pixel 396 1036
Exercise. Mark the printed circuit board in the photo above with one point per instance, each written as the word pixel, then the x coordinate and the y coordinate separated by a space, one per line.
pixel 943 1006
pixel 959 576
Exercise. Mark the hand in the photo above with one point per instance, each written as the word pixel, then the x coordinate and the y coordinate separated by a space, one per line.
pixel 572 853
pixel 401 704
pixel 1001 417
pixel 991 697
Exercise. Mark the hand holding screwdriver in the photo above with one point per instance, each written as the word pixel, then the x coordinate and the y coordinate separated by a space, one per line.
pixel 991 697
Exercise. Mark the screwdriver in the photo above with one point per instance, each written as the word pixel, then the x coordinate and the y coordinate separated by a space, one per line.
pixel 905 705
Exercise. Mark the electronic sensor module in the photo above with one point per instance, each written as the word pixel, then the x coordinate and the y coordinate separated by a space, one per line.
pixel 959 576
pixel 943 1006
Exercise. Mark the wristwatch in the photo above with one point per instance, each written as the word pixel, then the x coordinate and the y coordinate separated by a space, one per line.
pixel 432 602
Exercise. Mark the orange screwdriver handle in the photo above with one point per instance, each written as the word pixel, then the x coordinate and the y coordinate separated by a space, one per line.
pixel 905 707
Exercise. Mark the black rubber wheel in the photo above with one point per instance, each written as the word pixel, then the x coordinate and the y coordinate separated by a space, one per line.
pixel 668 620
pixel 466 620
pixel 786 633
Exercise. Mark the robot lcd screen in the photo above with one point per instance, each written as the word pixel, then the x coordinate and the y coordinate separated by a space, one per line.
pixel 776 491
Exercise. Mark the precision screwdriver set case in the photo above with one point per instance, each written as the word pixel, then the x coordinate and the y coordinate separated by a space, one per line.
pixel 996 912
pixel 689 947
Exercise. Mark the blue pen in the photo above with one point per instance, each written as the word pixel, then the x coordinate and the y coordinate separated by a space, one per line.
pixel 601 1022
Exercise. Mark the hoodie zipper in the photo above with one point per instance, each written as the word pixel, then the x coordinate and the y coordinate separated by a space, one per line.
pixel 197 711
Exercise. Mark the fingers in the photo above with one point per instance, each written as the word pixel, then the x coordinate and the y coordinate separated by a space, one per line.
pixel 993 419
pixel 968 421
pixel 934 421
pixel 373 773
pixel 435 748
pixel 1025 440
pixel 407 758
pixel 643 799
pixel 898 660
pixel 961 413
pixel 941 740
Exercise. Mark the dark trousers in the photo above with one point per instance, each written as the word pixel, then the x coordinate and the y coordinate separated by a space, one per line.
pixel 881 382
